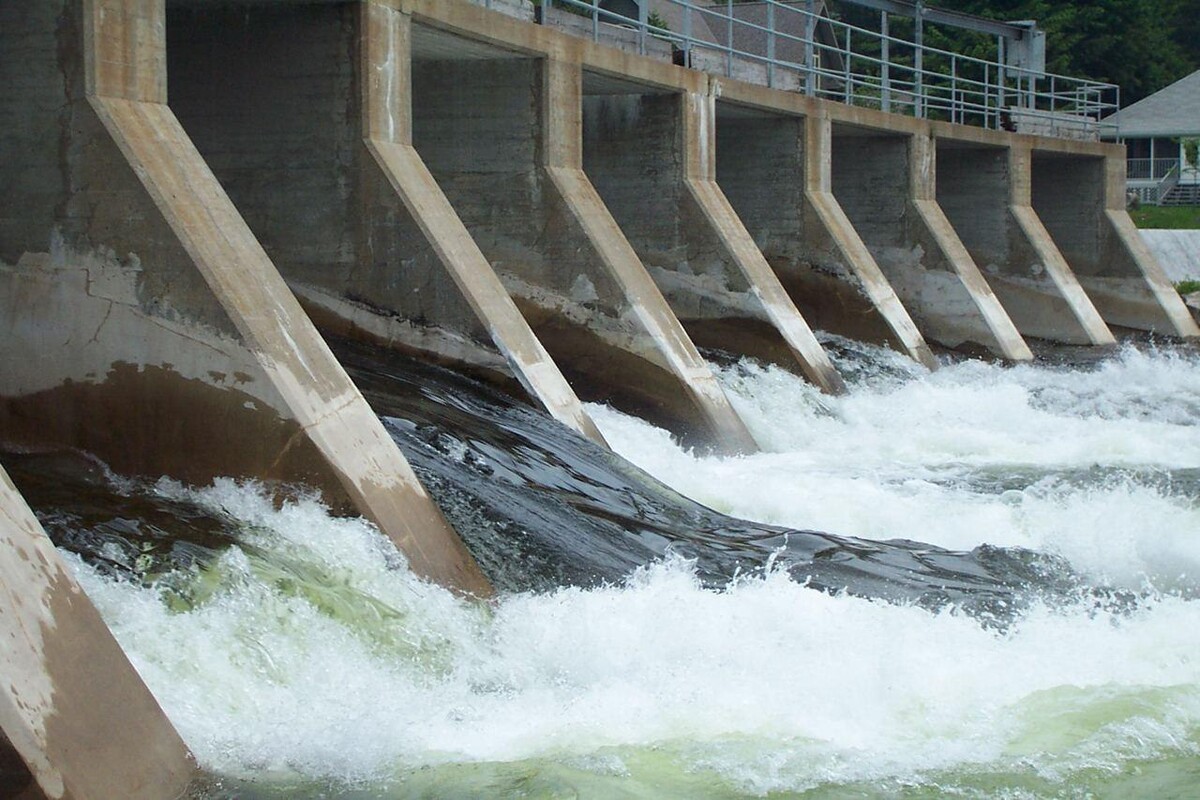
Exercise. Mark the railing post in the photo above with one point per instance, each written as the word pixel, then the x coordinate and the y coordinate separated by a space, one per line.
pixel 729 38
pixel 955 107
pixel 1002 54
pixel 770 43
pixel 848 88
pixel 596 21
pixel 919 57
pixel 810 31
pixel 885 57
pixel 687 34
pixel 643 26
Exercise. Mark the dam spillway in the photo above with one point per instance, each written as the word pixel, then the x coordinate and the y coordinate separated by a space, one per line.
pixel 196 192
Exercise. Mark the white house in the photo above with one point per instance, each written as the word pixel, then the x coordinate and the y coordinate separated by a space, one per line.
pixel 1158 132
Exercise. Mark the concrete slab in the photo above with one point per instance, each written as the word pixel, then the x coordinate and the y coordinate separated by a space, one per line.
pixel 1177 252
pixel 71 705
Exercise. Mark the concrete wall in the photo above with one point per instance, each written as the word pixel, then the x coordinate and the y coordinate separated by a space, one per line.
pixel 775 171
pixel 650 157
pixel 984 192
pixel 885 184
pixel 282 101
pixel 1120 275
pixel 506 154
pixel 142 320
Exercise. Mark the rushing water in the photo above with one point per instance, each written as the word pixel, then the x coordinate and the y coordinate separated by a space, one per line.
pixel 1042 641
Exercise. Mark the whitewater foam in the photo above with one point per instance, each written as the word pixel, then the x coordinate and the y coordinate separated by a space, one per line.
pixel 1099 464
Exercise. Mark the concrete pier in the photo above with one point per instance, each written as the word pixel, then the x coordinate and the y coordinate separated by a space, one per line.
pixel 72 707
pixel 142 320
pixel 886 184
pixel 342 202
pixel 776 175
pixel 501 136
pixel 652 157
pixel 1081 201
pixel 985 192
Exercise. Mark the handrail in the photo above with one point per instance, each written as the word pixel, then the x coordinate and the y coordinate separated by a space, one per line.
pixel 1167 184
pixel 865 67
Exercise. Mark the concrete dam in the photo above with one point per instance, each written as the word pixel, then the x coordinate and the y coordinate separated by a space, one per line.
pixel 198 194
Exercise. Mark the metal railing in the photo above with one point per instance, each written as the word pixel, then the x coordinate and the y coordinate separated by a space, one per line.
pixel 1150 169
pixel 792 46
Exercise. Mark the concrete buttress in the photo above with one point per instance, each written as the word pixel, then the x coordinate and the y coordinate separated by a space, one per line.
pixel 1081 201
pixel 143 320
pixel 836 227
pixel 652 158
pixel 985 192
pixel 499 133
pixel 913 242
pixel 71 705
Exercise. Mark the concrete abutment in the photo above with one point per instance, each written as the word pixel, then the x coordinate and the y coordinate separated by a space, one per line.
pixel 984 191
pixel 885 183
pixel 1081 201
pixel 501 137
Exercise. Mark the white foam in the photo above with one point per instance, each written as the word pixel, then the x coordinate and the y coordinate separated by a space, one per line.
pixel 319 654
pixel 773 685
pixel 971 454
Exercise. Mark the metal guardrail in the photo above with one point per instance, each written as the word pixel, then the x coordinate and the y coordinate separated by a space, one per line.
pixel 861 67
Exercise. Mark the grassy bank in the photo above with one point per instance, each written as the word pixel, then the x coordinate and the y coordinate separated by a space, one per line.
pixel 1175 217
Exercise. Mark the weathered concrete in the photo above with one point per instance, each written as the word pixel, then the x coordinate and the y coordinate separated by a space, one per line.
pixel 652 158
pixel 342 201
pixel 886 184
pixel 501 136
pixel 71 705
pixel 1081 201
pixel 143 321
pixel 1176 251
pixel 985 192
pixel 775 170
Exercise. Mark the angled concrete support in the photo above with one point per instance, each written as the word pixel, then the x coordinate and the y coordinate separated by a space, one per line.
pixel 562 109
pixel 143 320
pixel 342 202
pixel 741 254
pixel 71 705
pixel 838 230
pixel 773 170
pixel 985 192
pixel 884 181
pixel 652 157
pixel 500 135
pixel 1081 200
pixel 387 116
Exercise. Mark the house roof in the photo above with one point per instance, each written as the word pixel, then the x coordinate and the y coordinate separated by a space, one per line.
pixel 1173 111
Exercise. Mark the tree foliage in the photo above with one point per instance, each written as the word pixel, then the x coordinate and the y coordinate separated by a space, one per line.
pixel 1140 45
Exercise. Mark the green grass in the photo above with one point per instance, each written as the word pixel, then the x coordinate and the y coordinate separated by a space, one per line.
pixel 1187 287
pixel 1175 217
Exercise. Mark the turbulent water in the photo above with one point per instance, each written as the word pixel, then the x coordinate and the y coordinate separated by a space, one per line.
pixel 1042 640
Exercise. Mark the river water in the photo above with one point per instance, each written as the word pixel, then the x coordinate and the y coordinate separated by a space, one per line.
pixel 1005 601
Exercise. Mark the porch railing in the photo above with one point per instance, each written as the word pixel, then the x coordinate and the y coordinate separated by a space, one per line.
pixel 1150 169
